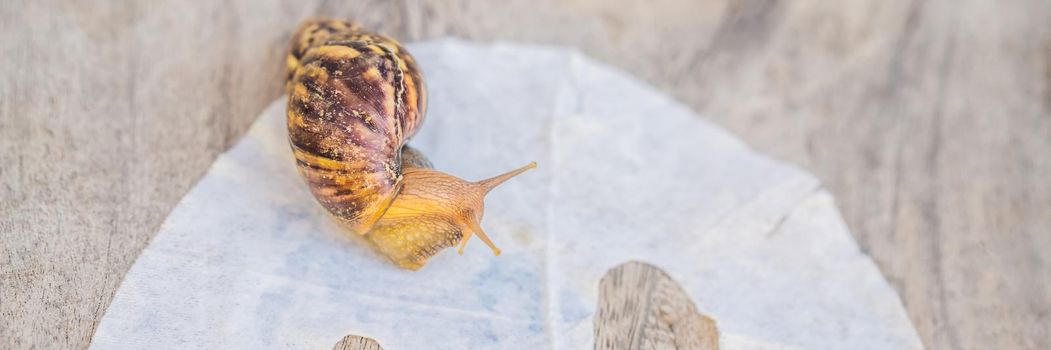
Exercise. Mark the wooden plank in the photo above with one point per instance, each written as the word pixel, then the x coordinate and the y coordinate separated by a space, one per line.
pixel 641 307
pixel 354 342
pixel 929 120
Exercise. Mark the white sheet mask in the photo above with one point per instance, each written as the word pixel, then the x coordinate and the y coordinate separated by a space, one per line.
pixel 248 259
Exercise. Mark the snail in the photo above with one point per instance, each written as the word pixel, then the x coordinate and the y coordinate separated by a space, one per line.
pixel 355 98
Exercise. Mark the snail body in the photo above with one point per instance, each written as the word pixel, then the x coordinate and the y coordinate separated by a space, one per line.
pixel 355 98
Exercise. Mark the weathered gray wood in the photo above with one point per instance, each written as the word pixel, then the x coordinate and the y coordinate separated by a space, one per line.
pixel 353 342
pixel 641 307
pixel 929 120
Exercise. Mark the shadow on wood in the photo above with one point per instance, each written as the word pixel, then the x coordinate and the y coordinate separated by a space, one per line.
pixel 354 342
pixel 641 307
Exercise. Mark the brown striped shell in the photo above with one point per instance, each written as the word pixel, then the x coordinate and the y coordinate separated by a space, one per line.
pixel 355 98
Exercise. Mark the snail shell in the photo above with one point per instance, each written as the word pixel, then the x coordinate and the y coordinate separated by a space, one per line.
pixel 354 100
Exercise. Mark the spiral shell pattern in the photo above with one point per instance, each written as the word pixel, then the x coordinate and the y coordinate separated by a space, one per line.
pixel 354 100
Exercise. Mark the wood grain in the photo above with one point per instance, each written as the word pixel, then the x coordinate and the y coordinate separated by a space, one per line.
pixel 930 121
pixel 641 307
pixel 353 342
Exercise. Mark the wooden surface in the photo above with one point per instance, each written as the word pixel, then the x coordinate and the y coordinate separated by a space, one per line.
pixel 930 121
pixel 641 307
pixel 354 342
